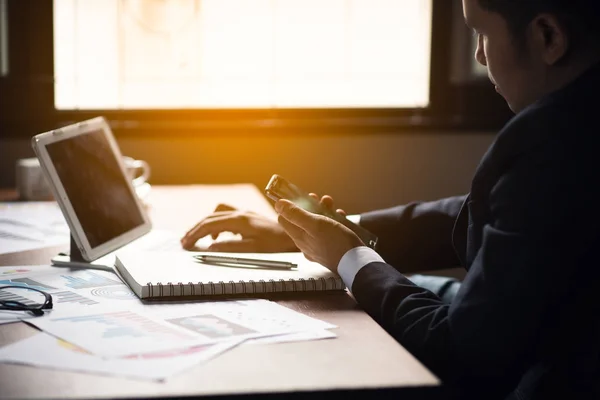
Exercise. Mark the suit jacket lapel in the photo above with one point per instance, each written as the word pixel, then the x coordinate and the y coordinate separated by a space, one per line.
pixel 459 232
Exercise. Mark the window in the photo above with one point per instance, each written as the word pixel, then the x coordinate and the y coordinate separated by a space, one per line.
pixel 3 39
pixel 194 67
pixel 203 54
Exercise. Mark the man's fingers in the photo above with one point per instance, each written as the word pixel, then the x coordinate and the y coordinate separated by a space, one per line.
pixel 341 212
pixel 214 226
pixel 235 246
pixel 314 196
pixel 216 214
pixel 327 202
pixel 295 214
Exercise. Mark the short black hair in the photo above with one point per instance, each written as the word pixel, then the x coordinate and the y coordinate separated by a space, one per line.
pixel 580 17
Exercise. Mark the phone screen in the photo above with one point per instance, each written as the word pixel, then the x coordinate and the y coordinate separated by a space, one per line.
pixel 279 188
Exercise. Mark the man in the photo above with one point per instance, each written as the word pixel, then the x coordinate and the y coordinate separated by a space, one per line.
pixel 525 323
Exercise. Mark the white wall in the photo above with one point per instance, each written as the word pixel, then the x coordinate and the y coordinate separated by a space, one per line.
pixel 361 172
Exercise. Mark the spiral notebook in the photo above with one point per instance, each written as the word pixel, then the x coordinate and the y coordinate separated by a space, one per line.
pixel 155 274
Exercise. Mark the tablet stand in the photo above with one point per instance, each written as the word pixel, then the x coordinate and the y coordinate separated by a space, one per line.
pixel 74 259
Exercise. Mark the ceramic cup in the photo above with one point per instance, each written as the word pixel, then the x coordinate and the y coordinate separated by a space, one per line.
pixel 30 181
pixel 138 170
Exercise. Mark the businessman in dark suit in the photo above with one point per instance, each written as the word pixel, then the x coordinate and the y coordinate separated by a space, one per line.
pixel 525 323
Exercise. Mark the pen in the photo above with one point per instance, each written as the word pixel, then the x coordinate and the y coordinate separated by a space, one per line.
pixel 246 261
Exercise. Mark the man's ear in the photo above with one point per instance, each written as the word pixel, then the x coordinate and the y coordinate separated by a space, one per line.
pixel 550 37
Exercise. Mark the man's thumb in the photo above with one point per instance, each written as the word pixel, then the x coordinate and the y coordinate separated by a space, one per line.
pixel 292 212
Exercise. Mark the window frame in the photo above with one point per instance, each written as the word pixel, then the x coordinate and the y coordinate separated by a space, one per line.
pixel 28 90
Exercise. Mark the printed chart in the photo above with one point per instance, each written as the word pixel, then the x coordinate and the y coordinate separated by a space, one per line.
pixel 8 295
pixel 120 292
pixel 31 225
pixel 117 333
pixel 73 298
pixel 125 323
pixel 211 326
pixel 269 316
pixel 88 280
pixel 15 271
pixel 43 350
pixel 26 282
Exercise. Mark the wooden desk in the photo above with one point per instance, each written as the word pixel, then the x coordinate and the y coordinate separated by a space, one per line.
pixel 362 357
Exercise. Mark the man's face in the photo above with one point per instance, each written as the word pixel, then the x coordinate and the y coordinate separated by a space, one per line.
pixel 510 69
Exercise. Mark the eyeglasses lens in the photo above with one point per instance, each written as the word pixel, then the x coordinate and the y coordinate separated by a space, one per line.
pixel 21 296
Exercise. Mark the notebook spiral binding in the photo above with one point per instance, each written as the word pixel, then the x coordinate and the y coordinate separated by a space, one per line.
pixel 242 287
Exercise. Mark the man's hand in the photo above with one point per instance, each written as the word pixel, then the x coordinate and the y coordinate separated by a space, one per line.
pixel 321 239
pixel 259 234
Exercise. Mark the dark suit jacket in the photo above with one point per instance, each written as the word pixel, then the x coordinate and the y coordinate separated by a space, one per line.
pixel 525 323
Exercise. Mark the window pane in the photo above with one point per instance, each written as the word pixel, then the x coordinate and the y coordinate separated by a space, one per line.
pixel 149 54
pixel 3 39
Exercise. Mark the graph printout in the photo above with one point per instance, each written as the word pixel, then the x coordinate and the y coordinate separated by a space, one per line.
pixel 89 279
pixel 31 225
pixel 15 272
pixel 25 282
pixel 117 333
pixel 77 293
pixel 13 276
pixel 73 298
pixel 26 297
pixel 72 287
pixel 45 351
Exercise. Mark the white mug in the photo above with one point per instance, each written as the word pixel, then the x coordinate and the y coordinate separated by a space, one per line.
pixel 30 181
pixel 137 170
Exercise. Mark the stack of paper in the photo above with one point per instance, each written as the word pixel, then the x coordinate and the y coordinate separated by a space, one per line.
pixel 31 225
pixel 98 325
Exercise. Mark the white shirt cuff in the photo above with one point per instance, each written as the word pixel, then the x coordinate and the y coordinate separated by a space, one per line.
pixel 354 218
pixel 353 261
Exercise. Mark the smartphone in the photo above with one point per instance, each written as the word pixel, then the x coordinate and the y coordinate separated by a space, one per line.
pixel 280 188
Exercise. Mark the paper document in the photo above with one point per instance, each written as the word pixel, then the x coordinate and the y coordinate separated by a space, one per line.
pixel 69 288
pixel 262 315
pixel 21 271
pixel 43 350
pixel 139 330
pixel 16 275
pixel 94 310
pixel 31 225
pixel 118 333
pixel 293 337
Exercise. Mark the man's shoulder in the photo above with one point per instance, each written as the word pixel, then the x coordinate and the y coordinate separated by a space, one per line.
pixel 568 115
pixel 563 126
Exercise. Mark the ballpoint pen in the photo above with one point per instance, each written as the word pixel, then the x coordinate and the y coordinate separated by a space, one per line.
pixel 245 261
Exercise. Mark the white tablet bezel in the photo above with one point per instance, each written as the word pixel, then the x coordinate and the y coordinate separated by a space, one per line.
pixel 39 143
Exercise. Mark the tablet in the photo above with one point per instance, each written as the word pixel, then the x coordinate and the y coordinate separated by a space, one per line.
pixel 85 171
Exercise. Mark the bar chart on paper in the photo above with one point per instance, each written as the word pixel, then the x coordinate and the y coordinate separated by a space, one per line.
pixel 117 333
pixel 125 323
pixel 74 298
pixel 14 271
pixel 26 282
pixel 88 280
pixel 6 295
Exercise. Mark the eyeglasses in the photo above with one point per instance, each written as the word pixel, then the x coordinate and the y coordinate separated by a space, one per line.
pixel 22 298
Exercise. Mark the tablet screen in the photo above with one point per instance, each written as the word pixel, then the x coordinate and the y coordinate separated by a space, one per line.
pixel 96 187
